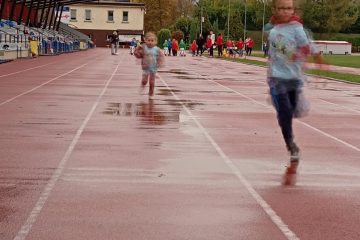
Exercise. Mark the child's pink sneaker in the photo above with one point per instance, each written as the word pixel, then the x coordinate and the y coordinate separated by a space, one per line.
pixel 290 173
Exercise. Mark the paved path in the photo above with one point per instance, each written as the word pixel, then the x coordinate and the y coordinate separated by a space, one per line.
pixel 85 157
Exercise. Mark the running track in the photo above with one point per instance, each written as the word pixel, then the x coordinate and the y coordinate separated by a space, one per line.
pixel 84 156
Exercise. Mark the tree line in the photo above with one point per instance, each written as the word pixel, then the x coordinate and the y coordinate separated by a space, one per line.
pixel 228 16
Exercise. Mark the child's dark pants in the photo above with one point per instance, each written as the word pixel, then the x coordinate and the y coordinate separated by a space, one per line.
pixel 284 95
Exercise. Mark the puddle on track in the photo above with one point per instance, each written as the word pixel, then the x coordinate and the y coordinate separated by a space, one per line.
pixel 167 91
pixel 174 71
pixel 149 113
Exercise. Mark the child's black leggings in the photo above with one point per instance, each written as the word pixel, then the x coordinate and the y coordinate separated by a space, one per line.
pixel 284 96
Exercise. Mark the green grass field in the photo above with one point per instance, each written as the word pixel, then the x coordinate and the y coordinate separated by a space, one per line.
pixel 322 73
pixel 335 75
pixel 343 60
pixel 337 60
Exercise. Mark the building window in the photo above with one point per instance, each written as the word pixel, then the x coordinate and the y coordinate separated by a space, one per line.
pixel 73 14
pixel 125 16
pixel 87 15
pixel 110 16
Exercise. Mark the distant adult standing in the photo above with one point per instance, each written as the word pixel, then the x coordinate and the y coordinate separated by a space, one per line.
pixel 265 48
pixel 246 45
pixel 250 46
pixel 220 43
pixel 114 42
pixel 200 42
pixel 212 37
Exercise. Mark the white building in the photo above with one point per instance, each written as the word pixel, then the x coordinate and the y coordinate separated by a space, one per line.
pixel 99 19
pixel 333 47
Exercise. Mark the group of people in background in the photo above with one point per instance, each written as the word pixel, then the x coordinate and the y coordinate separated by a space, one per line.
pixel 171 47
pixel 113 39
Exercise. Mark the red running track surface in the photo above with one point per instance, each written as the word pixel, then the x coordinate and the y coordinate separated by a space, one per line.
pixel 84 156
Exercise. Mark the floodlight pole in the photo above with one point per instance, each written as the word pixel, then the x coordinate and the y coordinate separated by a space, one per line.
pixel 228 30
pixel 201 21
pixel 263 25
pixel 245 29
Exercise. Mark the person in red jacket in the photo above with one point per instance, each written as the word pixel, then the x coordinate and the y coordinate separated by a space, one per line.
pixel 194 48
pixel 175 47
pixel 220 43
pixel 230 48
pixel 240 47
pixel 250 46
pixel 209 45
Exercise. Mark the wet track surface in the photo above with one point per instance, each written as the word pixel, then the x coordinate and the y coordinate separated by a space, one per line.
pixel 83 155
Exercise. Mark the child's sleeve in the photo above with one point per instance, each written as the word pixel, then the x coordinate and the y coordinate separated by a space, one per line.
pixel 139 52
pixel 306 47
pixel 160 59
pixel 303 42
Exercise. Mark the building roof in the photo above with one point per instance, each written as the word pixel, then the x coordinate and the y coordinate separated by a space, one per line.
pixel 34 3
pixel 111 2
pixel 331 42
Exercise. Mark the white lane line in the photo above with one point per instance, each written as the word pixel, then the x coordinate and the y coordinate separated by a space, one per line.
pixel 340 106
pixel 28 69
pixel 290 235
pixel 298 120
pixel 329 136
pixel 301 122
pixel 334 80
pixel 25 70
pixel 26 227
pixel 39 86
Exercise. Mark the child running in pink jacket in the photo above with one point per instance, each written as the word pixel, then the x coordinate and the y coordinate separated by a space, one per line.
pixel 151 59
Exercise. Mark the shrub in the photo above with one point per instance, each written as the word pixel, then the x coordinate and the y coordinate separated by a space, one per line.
pixel 163 35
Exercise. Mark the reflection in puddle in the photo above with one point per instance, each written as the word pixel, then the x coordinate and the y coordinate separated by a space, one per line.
pixel 215 92
pixel 175 71
pixel 186 103
pixel 120 109
pixel 333 89
pixel 189 77
pixel 167 91
pixel 149 113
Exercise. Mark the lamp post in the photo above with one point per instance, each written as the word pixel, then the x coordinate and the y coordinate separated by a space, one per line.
pixel 263 24
pixel 228 30
pixel 245 29
pixel 201 21
pixel 245 22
